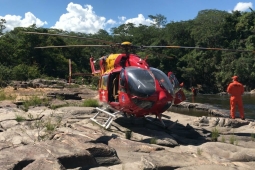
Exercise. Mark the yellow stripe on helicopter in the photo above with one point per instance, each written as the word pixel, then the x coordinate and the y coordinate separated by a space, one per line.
pixel 110 61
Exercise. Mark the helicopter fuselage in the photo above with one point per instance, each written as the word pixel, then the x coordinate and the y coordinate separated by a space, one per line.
pixel 127 83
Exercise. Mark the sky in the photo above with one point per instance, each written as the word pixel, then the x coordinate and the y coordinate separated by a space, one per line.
pixel 89 16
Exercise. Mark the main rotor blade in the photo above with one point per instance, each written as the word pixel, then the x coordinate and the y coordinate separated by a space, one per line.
pixel 200 48
pixel 69 36
pixel 160 55
pixel 67 46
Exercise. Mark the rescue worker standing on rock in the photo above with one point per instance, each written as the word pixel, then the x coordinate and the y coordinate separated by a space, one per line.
pixel 194 91
pixel 236 89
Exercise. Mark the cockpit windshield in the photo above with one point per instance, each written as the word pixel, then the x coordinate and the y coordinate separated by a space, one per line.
pixel 140 82
pixel 163 80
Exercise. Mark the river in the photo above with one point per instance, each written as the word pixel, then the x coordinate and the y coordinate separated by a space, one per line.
pixel 222 102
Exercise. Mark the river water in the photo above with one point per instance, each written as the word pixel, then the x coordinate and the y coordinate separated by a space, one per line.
pixel 222 102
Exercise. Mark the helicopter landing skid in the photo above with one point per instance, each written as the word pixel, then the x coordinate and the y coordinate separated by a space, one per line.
pixel 108 122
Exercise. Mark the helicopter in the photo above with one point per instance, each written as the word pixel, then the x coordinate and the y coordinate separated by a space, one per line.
pixel 129 85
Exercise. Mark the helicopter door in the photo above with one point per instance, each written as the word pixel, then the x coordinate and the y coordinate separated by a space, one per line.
pixel 113 87
pixel 103 92
pixel 123 97
pixel 116 88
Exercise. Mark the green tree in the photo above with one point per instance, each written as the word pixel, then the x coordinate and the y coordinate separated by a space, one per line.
pixel 208 28
pixel 160 20
pixel 25 72
pixel 2 26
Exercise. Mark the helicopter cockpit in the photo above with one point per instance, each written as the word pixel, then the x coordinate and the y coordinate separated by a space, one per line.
pixel 141 82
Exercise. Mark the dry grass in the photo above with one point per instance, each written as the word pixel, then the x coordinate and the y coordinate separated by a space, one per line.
pixel 26 93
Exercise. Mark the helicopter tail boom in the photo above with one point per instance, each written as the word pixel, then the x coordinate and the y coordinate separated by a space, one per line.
pixel 93 70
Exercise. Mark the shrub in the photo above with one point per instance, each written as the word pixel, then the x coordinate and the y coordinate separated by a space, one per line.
pixel 19 118
pixel 128 134
pixel 223 139
pixel 252 136
pixel 25 72
pixel 50 126
pixel 153 140
pixel 35 101
pixel 232 139
pixel 215 134
pixel 199 151
pixel 90 103
pixel 5 74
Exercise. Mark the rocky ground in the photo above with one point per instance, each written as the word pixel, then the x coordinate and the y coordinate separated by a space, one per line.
pixel 44 138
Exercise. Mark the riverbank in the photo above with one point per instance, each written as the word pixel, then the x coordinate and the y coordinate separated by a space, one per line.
pixel 215 105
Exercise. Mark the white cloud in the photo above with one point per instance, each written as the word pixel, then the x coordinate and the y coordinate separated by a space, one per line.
pixel 110 21
pixel 139 20
pixel 122 18
pixel 79 19
pixel 84 19
pixel 13 21
pixel 243 6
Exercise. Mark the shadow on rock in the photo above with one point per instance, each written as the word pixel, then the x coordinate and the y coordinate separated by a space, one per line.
pixel 154 132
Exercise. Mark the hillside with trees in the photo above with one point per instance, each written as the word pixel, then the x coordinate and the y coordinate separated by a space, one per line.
pixel 211 69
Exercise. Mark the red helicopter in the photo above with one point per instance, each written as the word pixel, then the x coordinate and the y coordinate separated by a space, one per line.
pixel 129 85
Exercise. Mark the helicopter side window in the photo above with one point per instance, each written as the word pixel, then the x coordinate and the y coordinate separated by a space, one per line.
pixel 173 80
pixel 163 80
pixel 104 82
pixel 122 81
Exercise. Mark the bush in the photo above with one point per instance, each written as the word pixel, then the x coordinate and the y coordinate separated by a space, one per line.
pixel 35 101
pixel 25 72
pixel 128 134
pixel 215 134
pixel 5 75
pixel 199 151
pixel 252 136
pixel 90 103
pixel 5 72
pixel 153 140
pixel 19 118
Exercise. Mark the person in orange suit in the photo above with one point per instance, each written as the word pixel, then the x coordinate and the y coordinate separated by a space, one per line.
pixel 194 91
pixel 236 89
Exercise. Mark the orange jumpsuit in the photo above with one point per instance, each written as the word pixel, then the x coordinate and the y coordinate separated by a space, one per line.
pixel 236 89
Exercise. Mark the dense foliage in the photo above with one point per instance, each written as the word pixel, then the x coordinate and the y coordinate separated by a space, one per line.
pixel 209 68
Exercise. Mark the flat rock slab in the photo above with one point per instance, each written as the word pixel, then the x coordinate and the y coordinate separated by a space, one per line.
pixel 81 154
pixel 45 163
pixel 171 160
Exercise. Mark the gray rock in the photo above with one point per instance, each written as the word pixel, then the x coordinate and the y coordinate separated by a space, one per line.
pixel 169 160
pixel 8 124
pixel 45 163
pixel 221 122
